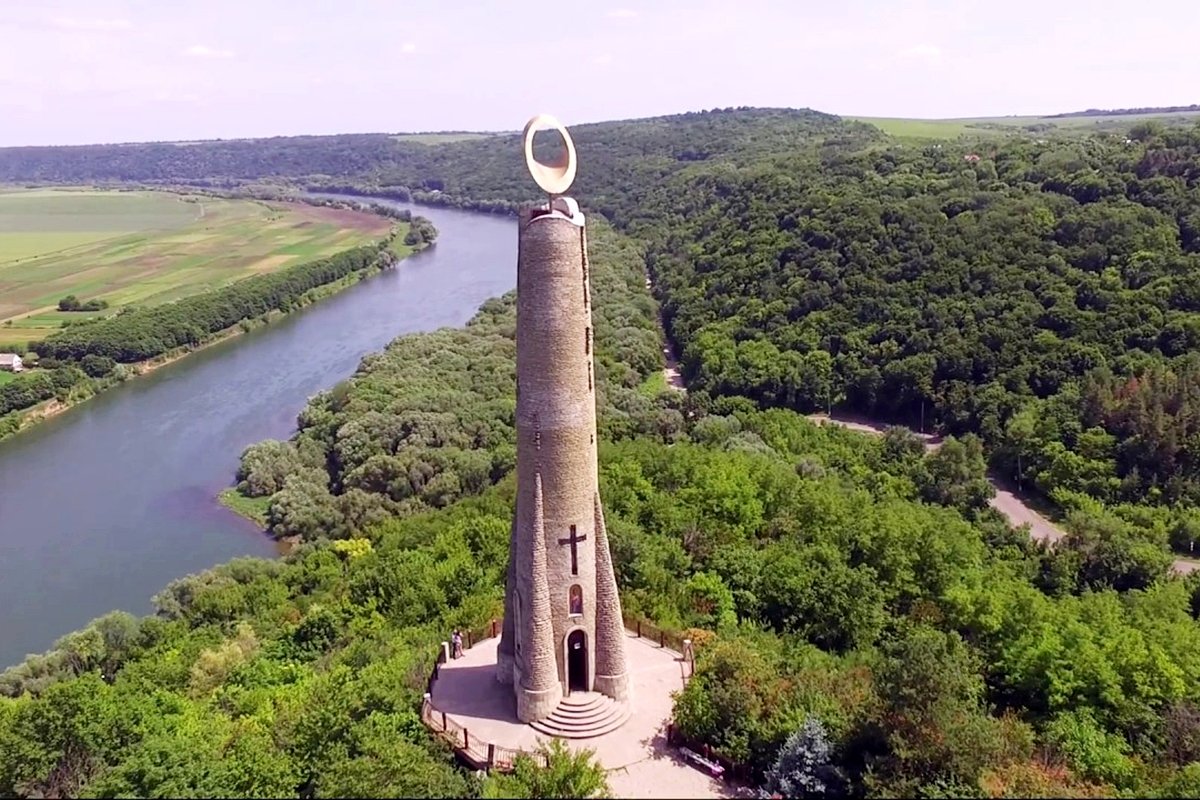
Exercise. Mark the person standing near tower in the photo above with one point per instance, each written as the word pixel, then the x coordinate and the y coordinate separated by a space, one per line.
pixel 563 629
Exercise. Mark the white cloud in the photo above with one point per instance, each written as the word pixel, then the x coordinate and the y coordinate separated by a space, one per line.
pixel 925 52
pixel 621 13
pixel 602 60
pixel 204 51
pixel 91 24
pixel 408 47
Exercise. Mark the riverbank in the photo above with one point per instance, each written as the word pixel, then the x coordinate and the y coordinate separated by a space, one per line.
pixel 255 509
pixel 48 409
pixel 103 507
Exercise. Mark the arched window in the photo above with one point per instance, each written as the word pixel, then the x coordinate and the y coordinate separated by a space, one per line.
pixel 575 599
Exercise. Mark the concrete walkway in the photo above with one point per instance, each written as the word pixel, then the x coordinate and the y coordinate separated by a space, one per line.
pixel 636 755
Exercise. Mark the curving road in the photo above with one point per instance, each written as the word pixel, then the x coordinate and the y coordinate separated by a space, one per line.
pixel 1006 501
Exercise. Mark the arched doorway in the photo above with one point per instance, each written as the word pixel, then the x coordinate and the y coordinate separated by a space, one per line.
pixel 577 661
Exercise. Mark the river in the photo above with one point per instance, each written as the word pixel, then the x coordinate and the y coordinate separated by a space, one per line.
pixel 104 505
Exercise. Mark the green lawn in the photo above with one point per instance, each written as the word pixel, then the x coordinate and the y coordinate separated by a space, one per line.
pixel 6 377
pixel 399 248
pixel 654 385
pixel 148 247
pixel 252 508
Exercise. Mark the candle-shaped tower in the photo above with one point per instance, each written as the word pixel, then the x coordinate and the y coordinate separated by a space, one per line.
pixel 563 632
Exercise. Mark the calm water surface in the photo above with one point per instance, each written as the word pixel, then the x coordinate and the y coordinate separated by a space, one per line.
pixel 102 507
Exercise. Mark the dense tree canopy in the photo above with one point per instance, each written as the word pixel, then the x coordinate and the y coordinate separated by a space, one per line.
pixel 431 418
pixel 865 624
pixel 809 262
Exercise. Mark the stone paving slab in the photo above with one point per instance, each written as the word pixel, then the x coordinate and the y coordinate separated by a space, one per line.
pixel 636 755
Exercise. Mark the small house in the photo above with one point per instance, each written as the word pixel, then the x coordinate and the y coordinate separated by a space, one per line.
pixel 10 362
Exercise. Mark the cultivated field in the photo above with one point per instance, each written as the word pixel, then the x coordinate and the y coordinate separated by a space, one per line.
pixel 984 126
pixel 441 138
pixel 148 248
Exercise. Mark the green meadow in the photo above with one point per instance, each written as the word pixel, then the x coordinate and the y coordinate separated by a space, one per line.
pixel 1030 126
pixel 148 248
pixel 440 138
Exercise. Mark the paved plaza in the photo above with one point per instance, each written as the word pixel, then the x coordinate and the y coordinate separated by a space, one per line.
pixel 636 755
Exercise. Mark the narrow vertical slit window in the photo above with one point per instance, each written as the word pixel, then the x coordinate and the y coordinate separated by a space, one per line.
pixel 587 341
pixel 585 283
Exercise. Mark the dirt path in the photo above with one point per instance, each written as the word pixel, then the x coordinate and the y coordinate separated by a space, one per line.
pixel 671 371
pixel 1006 501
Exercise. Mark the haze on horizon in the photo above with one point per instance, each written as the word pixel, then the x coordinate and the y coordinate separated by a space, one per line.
pixel 84 71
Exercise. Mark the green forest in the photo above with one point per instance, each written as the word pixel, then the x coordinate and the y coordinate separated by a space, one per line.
pixel 808 262
pixel 865 624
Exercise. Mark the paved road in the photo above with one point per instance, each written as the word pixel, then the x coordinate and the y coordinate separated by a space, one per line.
pixel 1018 513
pixel 1014 509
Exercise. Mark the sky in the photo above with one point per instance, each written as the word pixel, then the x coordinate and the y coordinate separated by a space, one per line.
pixel 84 71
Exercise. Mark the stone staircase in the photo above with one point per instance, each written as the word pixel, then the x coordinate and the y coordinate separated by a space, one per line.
pixel 583 715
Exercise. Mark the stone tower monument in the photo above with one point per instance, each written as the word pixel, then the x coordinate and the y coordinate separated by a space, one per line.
pixel 563 630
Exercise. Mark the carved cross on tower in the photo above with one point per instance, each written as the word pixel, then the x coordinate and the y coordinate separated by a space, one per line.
pixel 573 540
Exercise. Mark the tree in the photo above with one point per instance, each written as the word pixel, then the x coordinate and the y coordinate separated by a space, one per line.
pixel 932 716
pixel 1114 553
pixel 1019 437
pixel 567 773
pixel 710 600
pixel 1090 750
pixel 265 465
pixel 1185 533
pixel 956 474
pixel 804 767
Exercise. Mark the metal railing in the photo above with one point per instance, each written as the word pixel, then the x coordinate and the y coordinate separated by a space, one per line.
pixel 482 754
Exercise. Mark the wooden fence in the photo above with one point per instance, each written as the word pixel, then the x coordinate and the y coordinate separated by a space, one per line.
pixel 480 754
